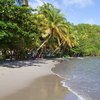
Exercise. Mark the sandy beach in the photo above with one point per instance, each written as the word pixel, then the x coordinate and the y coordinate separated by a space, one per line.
pixel 43 88
pixel 31 80
pixel 13 78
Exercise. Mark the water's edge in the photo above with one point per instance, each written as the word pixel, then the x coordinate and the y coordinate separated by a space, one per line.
pixel 63 79
pixel 81 76
pixel 63 84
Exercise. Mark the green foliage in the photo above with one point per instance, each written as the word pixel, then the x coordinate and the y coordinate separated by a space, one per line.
pixel 17 31
pixel 88 37
pixel 25 31
pixel 54 30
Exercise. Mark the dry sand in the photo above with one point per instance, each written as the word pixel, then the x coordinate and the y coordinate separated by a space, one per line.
pixel 13 78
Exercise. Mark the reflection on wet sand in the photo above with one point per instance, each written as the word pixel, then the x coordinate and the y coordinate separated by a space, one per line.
pixel 44 88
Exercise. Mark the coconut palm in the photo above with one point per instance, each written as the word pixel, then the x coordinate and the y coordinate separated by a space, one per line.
pixel 54 27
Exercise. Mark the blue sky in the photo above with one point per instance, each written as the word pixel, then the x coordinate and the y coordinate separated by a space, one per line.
pixel 76 11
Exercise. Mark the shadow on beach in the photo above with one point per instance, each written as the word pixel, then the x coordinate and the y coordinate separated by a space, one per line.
pixel 24 63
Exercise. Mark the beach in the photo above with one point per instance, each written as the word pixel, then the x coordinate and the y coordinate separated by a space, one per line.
pixel 13 78
pixel 43 88
pixel 32 80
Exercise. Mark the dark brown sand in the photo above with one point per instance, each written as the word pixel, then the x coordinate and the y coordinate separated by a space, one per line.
pixel 43 88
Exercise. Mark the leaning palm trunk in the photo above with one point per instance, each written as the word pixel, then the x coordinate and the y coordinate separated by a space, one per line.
pixel 43 43
pixel 57 49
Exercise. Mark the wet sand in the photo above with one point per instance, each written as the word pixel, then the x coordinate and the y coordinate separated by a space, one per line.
pixel 44 88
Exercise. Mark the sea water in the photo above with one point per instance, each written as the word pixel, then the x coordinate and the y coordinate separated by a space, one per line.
pixel 82 76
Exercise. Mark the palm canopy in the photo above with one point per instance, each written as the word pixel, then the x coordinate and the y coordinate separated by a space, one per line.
pixel 53 25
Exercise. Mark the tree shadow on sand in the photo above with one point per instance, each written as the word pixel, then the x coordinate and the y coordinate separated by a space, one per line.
pixel 25 63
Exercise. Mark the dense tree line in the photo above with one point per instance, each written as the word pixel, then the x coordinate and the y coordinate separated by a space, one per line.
pixel 88 37
pixel 27 33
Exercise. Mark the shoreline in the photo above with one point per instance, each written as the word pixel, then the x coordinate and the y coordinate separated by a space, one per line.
pixel 79 97
pixel 14 79
pixel 78 75
pixel 63 84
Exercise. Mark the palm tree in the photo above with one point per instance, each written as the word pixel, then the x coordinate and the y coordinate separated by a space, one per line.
pixel 53 26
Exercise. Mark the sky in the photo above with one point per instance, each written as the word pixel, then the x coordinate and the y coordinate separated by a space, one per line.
pixel 75 11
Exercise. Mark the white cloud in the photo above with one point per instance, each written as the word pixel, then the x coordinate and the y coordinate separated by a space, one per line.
pixel 39 2
pixel 35 3
pixel 63 3
pixel 89 21
pixel 80 3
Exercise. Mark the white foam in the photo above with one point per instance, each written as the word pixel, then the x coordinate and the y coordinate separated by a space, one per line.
pixel 64 85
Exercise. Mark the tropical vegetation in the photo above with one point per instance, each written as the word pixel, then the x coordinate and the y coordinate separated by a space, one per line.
pixel 27 33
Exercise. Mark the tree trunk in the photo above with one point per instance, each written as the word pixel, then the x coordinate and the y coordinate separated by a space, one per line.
pixel 11 55
pixel 43 43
